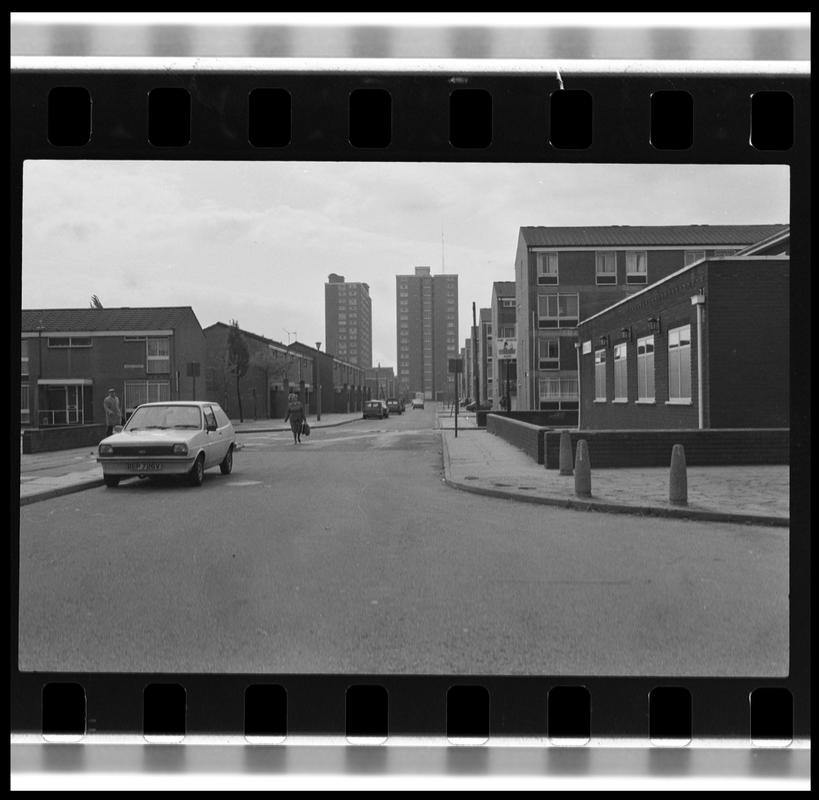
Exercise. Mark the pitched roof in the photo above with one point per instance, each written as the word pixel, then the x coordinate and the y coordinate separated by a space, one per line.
pixel 647 235
pixel 107 319
pixel 503 288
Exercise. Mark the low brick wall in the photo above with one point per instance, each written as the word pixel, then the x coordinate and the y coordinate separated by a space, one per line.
pixel 640 448
pixel 525 435
pixel 547 419
pixel 42 440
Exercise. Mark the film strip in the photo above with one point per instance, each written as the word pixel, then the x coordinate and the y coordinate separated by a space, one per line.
pixel 486 116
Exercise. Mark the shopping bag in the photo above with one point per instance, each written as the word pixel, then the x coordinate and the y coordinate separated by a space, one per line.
pixel 305 428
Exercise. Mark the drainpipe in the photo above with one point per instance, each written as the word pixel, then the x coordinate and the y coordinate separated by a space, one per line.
pixel 577 348
pixel 698 300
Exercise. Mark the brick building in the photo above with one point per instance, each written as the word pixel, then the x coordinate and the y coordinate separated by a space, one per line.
pixel 275 370
pixel 348 321
pixel 564 275
pixel 706 347
pixel 381 383
pixel 486 360
pixel 70 357
pixel 427 332
pixel 503 322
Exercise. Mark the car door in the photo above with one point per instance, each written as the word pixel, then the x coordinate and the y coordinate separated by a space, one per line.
pixel 226 435
pixel 212 443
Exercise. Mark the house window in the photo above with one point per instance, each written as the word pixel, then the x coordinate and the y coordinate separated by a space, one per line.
pixel 159 355
pixel 138 392
pixel 557 310
pixel 24 359
pixel 620 371
pixel 69 341
pixel 645 369
pixel 558 392
pixel 693 255
pixel 25 410
pixel 508 302
pixel 548 356
pixel 547 269
pixel 636 266
pixel 600 375
pixel 679 364
pixel 606 267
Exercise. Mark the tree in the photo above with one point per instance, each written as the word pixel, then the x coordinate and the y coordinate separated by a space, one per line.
pixel 238 359
pixel 95 302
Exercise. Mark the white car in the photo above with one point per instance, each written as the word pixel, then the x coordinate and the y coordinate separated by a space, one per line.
pixel 417 402
pixel 174 438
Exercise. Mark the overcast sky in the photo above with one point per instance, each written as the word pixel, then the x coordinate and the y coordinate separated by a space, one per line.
pixel 255 242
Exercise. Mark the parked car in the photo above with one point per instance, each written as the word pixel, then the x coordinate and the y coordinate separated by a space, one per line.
pixel 417 402
pixel 182 438
pixel 476 406
pixel 376 408
pixel 395 405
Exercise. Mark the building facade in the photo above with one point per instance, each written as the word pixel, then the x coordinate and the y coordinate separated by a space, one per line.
pixel 486 359
pixel 565 275
pixel 348 321
pixel 381 383
pixel 705 348
pixel 503 322
pixel 70 357
pixel 274 371
pixel 427 333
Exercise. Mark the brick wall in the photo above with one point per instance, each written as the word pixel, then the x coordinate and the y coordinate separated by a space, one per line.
pixel 642 448
pixel 524 435
pixel 44 440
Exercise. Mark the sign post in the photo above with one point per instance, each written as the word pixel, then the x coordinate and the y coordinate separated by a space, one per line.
pixel 456 366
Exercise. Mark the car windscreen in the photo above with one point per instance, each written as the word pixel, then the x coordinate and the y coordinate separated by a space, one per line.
pixel 165 417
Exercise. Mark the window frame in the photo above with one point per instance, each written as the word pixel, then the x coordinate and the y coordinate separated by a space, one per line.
pixel 687 260
pixel 646 364
pixel 600 358
pixel 544 275
pixel 636 276
pixel 677 350
pixel 560 321
pixel 600 257
pixel 619 357
pixel 548 363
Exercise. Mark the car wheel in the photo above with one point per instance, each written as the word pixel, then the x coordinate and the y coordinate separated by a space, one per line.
pixel 197 473
pixel 226 467
pixel 111 481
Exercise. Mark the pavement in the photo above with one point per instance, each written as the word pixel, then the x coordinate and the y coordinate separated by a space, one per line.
pixel 479 462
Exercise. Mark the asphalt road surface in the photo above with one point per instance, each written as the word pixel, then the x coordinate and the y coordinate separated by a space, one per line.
pixel 347 554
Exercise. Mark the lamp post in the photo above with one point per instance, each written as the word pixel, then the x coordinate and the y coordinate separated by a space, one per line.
pixel 318 386
pixel 40 328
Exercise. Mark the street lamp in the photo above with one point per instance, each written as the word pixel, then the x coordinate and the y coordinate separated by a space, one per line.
pixel 40 328
pixel 318 386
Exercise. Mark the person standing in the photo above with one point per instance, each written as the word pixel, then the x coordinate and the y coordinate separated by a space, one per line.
pixel 295 413
pixel 113 414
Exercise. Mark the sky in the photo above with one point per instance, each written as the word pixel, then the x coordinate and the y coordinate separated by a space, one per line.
pixel 255 241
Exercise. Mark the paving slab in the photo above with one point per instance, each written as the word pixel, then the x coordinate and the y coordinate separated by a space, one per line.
pixel 484 463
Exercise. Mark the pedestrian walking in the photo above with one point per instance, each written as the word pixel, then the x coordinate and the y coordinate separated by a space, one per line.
pixel 113 413
pixel 295 413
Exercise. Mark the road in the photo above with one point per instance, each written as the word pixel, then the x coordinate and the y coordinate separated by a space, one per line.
pixel 348 554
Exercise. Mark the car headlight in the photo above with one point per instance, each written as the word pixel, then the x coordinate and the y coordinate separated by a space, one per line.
pixel 180 449
pixel 106 449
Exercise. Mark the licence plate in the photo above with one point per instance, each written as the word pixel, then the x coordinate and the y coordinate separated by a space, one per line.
pixel 144 466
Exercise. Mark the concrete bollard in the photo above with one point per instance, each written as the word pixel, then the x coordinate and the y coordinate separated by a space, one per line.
pixel 565 454
pixel 582 470
pixel 678 479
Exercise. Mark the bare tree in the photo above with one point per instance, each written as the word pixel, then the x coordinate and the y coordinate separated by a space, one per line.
pixel 95 302
pixel 238 359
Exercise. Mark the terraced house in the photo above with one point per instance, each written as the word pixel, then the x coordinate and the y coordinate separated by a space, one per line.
pixel 70 357
pixel 564 275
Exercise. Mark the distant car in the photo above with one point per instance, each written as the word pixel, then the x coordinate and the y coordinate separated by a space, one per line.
pixel 417 402
pixel 376 408
pixel 475 406
pixel 182 438
pixel 394 405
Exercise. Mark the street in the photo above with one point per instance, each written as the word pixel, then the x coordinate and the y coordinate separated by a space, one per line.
pixel 347 554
